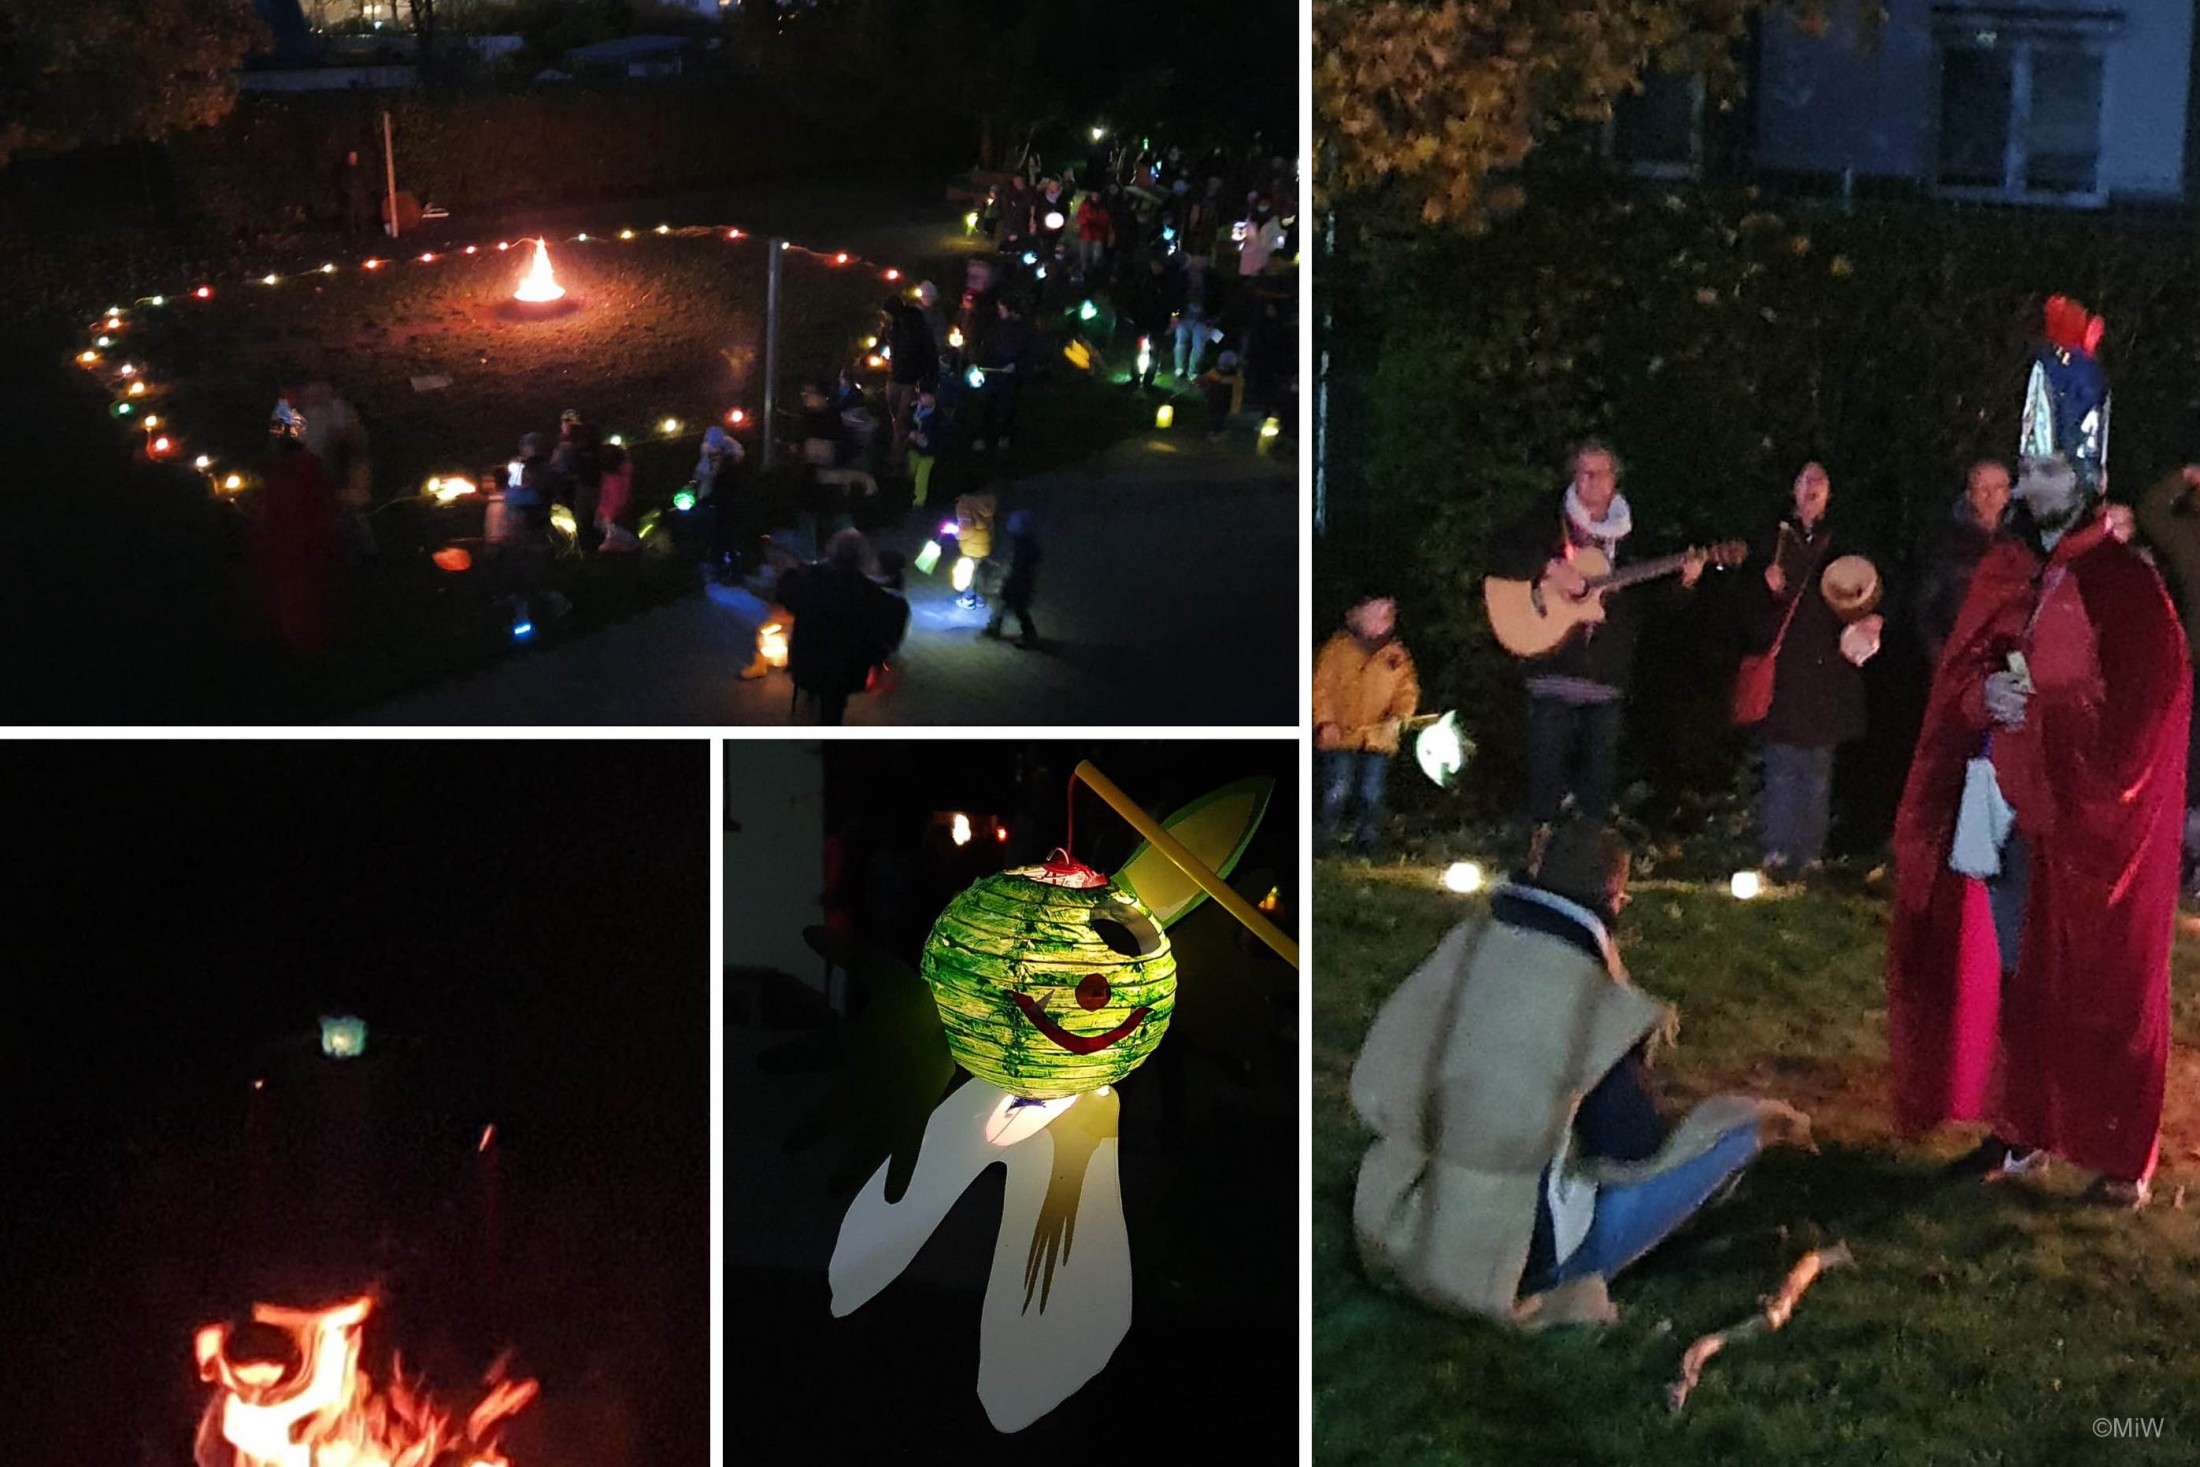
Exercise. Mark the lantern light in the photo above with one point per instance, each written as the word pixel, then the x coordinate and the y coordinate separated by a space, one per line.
pixel 505 244
pixel 626 234
pixel 664 229
pixel 1054 219
pixel 893 275
pixel 561 519
pixel 158 300
pixel 947 529
pixel 112 311
pixel 428 258
pixel 960 830
pixel 152 420
pixel 683 500
pixel 874 361
pixel 965 571
pixel 1164 416
pixel 970 222
pixel 955 337
pixel 270 278
pixel 453 558
pixel 1000 834
pixel 1746 885
pixel 202 463
pixel 137 389
pixel 1099 133
pixel 1050 981
pixel 1270 427
pixel 1041 272
pixel 841 258
pixel 669 427
pixel 123 410
pixel 522 630
pixel 1145 357
pixel 927 558
pixel 975 377
pixel 736 417
pixel 328 268
pixel 616 441
pixel 473 249
pixel 733 234
pixel 233 482
pixel 771 643
pixel 161 445
pixel 88 358
pixel 114 323
pixel 870 343
pixel 1030 258
pixel 129 369
pixel 343 1036
pixel 370 264
pixel 1087 311
pixel 204 292
pixel 1440 750
pixel 1463 877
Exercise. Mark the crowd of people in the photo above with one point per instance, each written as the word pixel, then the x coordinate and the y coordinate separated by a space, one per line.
pixel 1522 1155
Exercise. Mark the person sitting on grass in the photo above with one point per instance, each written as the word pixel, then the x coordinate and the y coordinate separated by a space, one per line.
pixel 1365 687
pixel 1521 1156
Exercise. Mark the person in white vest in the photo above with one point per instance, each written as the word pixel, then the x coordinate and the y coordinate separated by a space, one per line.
pixel 1521 1157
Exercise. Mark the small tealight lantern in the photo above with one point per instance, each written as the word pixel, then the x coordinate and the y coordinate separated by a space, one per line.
pixel 233 483
pixel 204 292
pixel 1463 877
pixel 202 463
pixel 270 278
pixel 343 1036
pixel 959 829
pixel 1164 416
pixel 683 500
pixel 1746 885
pixel 626 234
pixel 771 643
pixel 669 427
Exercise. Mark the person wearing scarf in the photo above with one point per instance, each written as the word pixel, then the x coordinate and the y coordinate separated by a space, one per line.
pixel 1575 694
pixel 1521 1156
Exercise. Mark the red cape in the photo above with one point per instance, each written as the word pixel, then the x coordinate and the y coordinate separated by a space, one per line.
pixel 297 552
pixel 2070 1052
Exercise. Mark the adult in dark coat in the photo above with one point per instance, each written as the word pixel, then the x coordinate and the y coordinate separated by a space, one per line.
pixel 1817 683
pixel 1979 518
pixel 844 624
pixel 914 362
pixel 1575 693
pixel 356 188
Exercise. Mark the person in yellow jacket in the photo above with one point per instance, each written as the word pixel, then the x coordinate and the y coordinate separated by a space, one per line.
pixel 1364 687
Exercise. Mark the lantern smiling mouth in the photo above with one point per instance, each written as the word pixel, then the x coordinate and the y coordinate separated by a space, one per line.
pixel 1078 1043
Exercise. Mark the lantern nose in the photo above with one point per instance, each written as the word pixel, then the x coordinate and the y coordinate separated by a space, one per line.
pixel 1094 992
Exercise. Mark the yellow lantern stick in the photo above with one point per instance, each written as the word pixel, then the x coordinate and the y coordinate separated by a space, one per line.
pixel 1169 846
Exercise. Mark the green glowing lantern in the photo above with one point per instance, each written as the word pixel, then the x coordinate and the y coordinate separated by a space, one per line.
pixel 1049 980
pixel 343 1036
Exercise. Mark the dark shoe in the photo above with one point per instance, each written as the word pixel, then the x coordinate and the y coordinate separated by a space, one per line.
pixel 2119 1194
pixel 1994 1159
pixel 1027 644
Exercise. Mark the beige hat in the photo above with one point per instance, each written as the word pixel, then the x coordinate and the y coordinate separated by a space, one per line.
pixel 1851 586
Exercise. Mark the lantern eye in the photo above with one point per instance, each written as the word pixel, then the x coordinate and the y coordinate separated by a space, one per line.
pixel 1130 933
pixel 1094 992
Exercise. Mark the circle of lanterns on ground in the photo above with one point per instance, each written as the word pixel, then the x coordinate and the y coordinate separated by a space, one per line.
pixel 444 489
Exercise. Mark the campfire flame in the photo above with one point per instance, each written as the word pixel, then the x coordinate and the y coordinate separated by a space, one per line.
pixel 538 284
pixel 326 1413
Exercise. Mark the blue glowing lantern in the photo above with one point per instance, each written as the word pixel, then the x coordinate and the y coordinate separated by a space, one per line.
pixel 343 1036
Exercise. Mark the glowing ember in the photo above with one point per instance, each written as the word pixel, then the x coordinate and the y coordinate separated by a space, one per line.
pixel 538 284
pixel 325 1412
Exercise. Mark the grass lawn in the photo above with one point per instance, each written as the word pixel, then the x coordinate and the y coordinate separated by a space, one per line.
pixel 1978 1325
pixel 139 566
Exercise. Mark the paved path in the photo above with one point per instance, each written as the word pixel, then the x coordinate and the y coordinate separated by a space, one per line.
pixel 1168 595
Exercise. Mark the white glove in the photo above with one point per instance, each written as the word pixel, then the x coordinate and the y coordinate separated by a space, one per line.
pixel 2005 699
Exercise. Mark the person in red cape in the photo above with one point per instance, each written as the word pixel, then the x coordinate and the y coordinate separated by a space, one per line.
pixel 296 548
pixel 2038 1000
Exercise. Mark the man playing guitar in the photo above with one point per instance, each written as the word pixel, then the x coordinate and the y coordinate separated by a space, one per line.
pixel 1575 693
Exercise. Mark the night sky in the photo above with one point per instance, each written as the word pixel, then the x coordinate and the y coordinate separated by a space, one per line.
pixel 523 923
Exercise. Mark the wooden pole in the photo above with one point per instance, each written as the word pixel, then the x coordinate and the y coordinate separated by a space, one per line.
pixel 775 249
pixel 1169 846
pixel 389 162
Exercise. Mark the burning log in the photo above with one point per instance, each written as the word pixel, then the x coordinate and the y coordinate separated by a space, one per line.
pixel 297 1398
pixel 1774 1314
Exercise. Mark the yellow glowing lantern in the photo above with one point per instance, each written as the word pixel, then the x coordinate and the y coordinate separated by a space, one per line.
pixel 270 278
pixel 771 643
pixel 88 358
pixel 1463 877
pixel 370 264
pixel 626 234
pixel 669 427
pixel 329 268
pixel 152 421
pixel 965 570
pixel 233 483
pixel 137 389
pixel 664 229
pixel 1746 885
pixel 955 337
pixel 1164 416
pixel 202 463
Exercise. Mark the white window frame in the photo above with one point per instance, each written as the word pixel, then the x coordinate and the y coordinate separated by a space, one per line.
pixel 2021 32
pixel 1651 168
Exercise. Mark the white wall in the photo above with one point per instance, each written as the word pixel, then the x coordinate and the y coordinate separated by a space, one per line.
pixel 775 863
pixel 1841 102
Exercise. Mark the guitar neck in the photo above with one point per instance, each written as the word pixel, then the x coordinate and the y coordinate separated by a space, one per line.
pixel 1648 570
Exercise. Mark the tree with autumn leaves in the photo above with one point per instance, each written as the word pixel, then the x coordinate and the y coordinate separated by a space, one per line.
pixel 1426 106
pixel 74 72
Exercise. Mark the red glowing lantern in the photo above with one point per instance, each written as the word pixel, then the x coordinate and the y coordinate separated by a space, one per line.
pixel 204 292
pixel 893 275
pixel 737 417
pixel 504 244
pixel 371 265
pixel 473 249
pixel 453 558
pixel 428 259
pixel 161 447
pixel 733 234
pixel 841 258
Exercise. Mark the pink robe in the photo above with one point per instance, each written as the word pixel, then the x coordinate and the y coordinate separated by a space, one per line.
pixel 2070 1053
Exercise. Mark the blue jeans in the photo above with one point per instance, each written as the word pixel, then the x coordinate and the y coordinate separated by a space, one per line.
pixel 1792 813
pixel 1631 1220
pixel 1337 773
pixel 1555 729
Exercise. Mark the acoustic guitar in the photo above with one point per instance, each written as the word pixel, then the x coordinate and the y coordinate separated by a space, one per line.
pixel 1534 620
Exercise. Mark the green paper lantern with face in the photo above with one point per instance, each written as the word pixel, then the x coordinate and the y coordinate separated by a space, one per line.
pixel 1050 982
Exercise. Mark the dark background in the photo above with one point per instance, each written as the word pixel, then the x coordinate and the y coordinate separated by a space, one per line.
pixel 523 926
pixel 1208 1155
